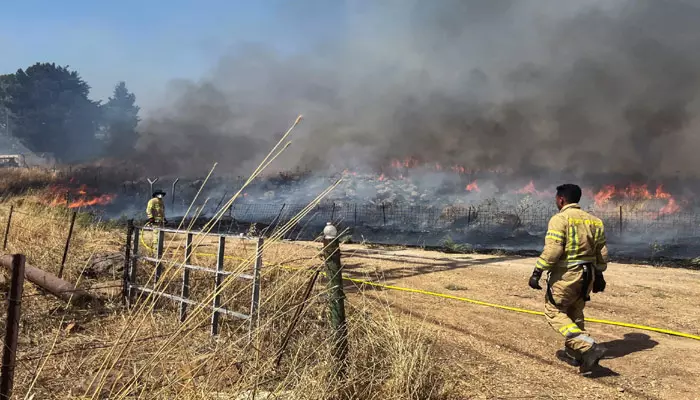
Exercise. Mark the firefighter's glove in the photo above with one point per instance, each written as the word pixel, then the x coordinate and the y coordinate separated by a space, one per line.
pixel 535 279
pixel 151 220
pixel 598 282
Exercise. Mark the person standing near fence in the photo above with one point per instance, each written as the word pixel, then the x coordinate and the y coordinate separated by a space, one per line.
pixel 575 256
pixel 155 211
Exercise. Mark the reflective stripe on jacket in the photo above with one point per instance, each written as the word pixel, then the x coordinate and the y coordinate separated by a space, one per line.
pixel 155 209
pixel 574 237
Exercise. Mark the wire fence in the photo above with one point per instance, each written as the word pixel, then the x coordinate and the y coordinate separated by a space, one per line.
pixel 485 220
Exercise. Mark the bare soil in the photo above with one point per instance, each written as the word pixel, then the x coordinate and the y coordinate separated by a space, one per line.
pixel 495 353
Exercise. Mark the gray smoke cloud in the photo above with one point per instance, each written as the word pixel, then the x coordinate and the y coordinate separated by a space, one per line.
pixel 586 89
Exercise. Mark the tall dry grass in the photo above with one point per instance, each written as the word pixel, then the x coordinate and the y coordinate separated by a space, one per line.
pixel 14 181
pixel 143 352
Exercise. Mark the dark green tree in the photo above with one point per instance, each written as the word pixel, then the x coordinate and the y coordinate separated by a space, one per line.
pixel 6 117
pixel 52 112
pixel 120 118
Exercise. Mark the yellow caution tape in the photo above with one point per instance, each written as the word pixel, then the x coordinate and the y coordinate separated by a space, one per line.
pixel 477 302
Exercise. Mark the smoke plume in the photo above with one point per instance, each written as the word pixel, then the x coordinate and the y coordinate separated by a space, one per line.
pixel 596 88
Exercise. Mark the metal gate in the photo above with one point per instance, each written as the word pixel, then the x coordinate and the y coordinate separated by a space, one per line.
pixel 134 257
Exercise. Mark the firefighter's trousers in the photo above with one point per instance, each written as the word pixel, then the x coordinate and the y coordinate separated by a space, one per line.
pixel 564 304
pixel 155 233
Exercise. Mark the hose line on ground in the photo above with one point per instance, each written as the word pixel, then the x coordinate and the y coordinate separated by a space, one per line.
pixel 477 302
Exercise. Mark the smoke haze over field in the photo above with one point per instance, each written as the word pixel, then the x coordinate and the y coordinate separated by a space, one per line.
pixel 587 89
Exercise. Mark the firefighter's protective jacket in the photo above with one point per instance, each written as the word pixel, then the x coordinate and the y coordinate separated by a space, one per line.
pixel 574 237
pixel 155 209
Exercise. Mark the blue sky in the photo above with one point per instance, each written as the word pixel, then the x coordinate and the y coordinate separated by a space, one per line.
pixel 147 43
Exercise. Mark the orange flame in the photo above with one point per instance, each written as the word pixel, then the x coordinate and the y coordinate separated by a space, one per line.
pixel 76 198
pixel 634 192
pixel 671 207
pixel 473 187
pixel 604 195
pixel 85 202
pixel 529 189
pixel 660 194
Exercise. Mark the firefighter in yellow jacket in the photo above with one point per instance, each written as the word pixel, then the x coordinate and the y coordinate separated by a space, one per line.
pixel 155 211
pixel 575 256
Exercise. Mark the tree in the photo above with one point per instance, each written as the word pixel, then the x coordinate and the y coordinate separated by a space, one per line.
pixel 5 115
pixel 52 112
pixel 120 115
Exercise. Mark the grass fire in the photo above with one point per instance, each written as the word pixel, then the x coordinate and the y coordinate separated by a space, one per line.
pixel 482 200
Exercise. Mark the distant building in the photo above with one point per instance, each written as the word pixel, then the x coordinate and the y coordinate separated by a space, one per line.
pixel 10 146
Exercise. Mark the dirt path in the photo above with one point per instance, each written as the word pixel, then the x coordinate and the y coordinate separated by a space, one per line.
pixel 501 354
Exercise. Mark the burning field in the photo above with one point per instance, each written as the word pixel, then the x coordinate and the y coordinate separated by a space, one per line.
pixel 403 345
pixel 408 203
pixel 76 197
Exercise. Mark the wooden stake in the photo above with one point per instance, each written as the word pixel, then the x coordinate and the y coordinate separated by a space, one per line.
pixel 7 228
pixel 133 265
pixel 14 306
pixel 127 259
pixel 65 248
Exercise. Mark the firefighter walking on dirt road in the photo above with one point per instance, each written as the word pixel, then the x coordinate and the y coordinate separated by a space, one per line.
pixel 575 256
pixel 155 211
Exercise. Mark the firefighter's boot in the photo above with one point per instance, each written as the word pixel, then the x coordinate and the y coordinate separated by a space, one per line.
pixel 569 356
pixel 590 359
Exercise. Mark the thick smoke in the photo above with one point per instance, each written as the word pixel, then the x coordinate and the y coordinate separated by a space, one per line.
pixel 598 88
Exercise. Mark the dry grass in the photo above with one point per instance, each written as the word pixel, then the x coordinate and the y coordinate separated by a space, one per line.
pixel 142 352
pixel 145 353
pixel 18 180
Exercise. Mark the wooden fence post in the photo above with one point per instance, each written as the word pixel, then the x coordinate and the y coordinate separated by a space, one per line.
pixel 7 228
pixel 331 250
pixel 217 285
pixel 65 248
pixel 133 264
pixel 127 259
pixel 255 300
pixel 14 306
pixel 186 277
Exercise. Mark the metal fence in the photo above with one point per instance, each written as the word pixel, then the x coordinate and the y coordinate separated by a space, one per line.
pixel 618 222
pixel 158 288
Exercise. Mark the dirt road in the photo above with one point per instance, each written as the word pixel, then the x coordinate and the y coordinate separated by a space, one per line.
pixel 501 354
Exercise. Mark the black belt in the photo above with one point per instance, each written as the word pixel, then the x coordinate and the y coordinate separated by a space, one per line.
pixel 587 276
